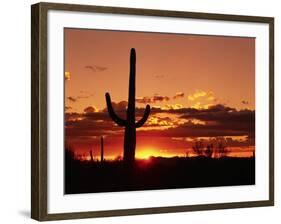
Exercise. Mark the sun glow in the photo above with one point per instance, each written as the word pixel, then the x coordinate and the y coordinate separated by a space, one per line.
pixel 146 153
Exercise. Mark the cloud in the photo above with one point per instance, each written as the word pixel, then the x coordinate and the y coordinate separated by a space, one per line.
pixel 154 99
pixel 75 99
pixel 172 106
pixel 89 128
pixel 189 129
pixel 159 121
pixel 159 76
pixel 202 99
pixel 245 102
pixel 179 110
pixel 92 123
pixel 196 95
pixel 84 96
pixel 178 95
pixel 216 121
pixel 221 121
pixel 96 116
pixel 90 109
pixel 223 117
pixel 67 108
pixel 69 116
pixel 120 106
pixel 95 68
pixel 201 94
pixel 100 68
pixel 212 98
pixel 67 76
pixel 84 92
pixel 144 100
pixel 199 105
pixel 160 98
pixel 72 99
pixel 90 67
pixel 219 107
pixel 120 109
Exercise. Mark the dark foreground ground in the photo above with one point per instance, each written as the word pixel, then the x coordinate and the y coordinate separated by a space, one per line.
pixel 157 173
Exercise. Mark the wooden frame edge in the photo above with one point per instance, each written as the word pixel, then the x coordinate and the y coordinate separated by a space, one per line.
pixel 271 110
pixel 155 210
pixel 35 191
pixel 38 112
pixel 154 12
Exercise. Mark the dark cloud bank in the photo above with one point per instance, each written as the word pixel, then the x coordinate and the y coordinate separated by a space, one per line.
pixel 219 120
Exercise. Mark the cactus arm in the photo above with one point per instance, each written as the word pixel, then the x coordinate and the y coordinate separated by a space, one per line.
pixel 119 121
pixel 144 118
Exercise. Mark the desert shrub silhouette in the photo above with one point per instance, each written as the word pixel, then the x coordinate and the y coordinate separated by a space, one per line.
pixel 198 148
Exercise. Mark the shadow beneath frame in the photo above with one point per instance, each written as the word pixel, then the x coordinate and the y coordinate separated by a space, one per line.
pixel 24 213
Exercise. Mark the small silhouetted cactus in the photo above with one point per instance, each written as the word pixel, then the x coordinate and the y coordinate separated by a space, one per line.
pixel 209 151
pixel 91 155
pixel 130 124
pixel 101 149
pixel 187 154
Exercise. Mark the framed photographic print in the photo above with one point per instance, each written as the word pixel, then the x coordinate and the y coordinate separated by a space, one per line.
pixel 138 111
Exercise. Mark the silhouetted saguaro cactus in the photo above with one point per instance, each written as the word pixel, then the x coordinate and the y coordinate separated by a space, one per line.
pixel 101 152
pixel 129 124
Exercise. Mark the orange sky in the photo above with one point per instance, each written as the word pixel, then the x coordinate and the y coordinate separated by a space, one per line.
pixel 198 87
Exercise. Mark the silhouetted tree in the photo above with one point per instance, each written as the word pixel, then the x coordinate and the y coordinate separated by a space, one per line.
pixel 129 124
pixel 198 148
pixel 221 150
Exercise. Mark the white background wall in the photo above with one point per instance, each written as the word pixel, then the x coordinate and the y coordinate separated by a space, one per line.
pixel 15 111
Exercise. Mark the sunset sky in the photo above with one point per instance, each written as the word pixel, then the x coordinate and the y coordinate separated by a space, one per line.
pixel 199 87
